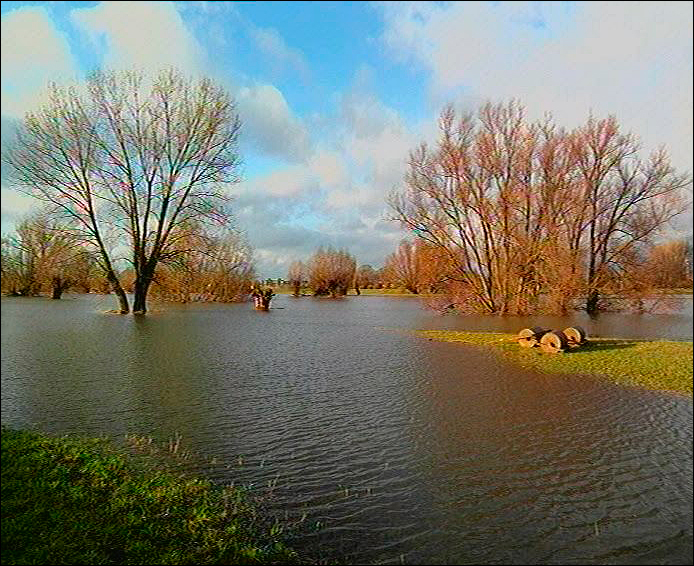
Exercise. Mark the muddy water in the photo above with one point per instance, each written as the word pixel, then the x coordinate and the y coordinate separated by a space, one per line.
pixel 403 450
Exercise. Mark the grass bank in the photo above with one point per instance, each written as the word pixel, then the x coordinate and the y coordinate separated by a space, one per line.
pixel 656 365
pixel 78 501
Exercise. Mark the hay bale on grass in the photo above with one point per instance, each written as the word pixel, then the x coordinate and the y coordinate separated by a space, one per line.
pixel 554 342
pixel 529 337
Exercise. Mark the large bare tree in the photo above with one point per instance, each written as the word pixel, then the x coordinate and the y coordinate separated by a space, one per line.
pixel 131 160
pixel 522 211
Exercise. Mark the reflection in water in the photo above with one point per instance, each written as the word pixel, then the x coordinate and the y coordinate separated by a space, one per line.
pixel 403 449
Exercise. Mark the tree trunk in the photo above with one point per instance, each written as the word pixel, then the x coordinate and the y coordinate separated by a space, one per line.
pixel 592 301
pixel 141 289
pixel 57 289
pixel 58 285
pixel 120 293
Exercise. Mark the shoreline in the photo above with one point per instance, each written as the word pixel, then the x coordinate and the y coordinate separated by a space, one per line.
pixel 78 500
pixel 658 365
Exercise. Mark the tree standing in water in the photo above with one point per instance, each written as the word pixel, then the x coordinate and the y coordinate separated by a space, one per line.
pixel 262 297
pixel 296 275
pixel 525 212
pixel 130 160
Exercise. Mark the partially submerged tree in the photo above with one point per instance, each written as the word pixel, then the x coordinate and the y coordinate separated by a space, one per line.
pixel 404 267
pixel 331 272
pixel 296 275
pixel 18 269
pixel 366 277
pixel 201 265
pixel 433 266
pixel 671 263
pixel 86 273
pixel 261 296
pixel 522 211
pixel 42 256
pixel 126 158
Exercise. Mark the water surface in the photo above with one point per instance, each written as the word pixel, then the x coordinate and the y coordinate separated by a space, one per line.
pixel 405 450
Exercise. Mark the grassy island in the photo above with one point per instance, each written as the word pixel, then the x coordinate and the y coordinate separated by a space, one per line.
pixel 76 501
pixel 656 365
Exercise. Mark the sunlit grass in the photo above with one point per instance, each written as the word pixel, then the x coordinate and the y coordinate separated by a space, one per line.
pixel 76 501
pixel 657 365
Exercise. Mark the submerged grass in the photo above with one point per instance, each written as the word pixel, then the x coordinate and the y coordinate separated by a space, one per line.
pixel 656 365
pixel 78 501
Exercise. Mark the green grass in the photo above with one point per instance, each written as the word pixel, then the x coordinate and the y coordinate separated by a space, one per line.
pixel 656 365
pixel 77 501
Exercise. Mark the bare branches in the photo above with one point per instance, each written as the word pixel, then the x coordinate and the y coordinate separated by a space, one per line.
pixel 331 272
pixel 518 209
pixel 132 155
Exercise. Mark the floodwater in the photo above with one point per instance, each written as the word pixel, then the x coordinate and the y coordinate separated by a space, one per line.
pixel 397 449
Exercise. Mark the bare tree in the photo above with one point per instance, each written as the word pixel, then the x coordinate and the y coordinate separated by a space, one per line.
pixel 331 272
pixel 201 265
pixel 85 272
pixel 366 277
pixel 41 256
pixel 131 159
pixel 626 199
pixel 404 267
pixel 522 212
pixel 433 266
pixel 296 275
pixel 670 264
pixel 18 269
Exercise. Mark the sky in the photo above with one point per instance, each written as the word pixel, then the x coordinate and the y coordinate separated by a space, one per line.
pixel 334 95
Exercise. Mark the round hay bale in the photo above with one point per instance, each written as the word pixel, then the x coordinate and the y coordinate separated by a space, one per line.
pixel 553 342
pixel 529 337
pixel 575 335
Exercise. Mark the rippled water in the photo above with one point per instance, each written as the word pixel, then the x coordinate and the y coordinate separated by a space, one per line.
pixel 405 450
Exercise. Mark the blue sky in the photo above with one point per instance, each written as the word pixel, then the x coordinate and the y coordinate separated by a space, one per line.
pixel 333 95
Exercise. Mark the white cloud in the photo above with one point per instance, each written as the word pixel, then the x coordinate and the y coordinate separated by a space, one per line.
pixel 270 124
pixel 15 205
pixel 290 181
pixel 633 60
pixel 330 169
pixel 375 141
pixel 339 191
pixel 283 57
pixel 144 35
pixel 33 53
